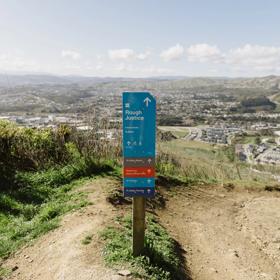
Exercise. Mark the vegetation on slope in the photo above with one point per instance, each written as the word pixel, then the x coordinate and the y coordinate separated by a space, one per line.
pixel 38 169
pixel 254 104
pixel 202 163
pixel 26 215
pixel 161 260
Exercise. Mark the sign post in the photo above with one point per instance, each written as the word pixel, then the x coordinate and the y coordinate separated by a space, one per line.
pixel 139 142
pixel 139 207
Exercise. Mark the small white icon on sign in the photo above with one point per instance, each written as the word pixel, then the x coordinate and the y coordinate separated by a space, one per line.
pixel 147 100
pixel 127 105
pixel 149 181
pixel 128 143
pixel 134 143
pixel 148 190
pixel 149 161
pixel 140 143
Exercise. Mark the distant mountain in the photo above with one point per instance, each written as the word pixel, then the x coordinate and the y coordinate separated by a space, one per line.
pixel 10 80
pixel 269 82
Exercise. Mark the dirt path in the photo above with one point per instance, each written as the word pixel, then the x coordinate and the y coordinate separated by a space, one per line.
pixel 60 255
pixel 227 235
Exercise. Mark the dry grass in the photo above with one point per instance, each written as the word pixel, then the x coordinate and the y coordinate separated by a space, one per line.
pixel 199 161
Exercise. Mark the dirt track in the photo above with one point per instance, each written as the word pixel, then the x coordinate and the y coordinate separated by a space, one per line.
pixel 231 235
pixel 60 255
pixel 227 235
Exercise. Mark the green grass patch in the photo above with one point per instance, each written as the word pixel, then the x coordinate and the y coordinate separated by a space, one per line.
pixel 87 240
pixel 23 221
pixel 5 272
pixel 177 131
pixel 161 260
pixel 60 175
pixel 32 205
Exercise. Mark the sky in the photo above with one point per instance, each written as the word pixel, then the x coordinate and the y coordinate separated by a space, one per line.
pixel 143 38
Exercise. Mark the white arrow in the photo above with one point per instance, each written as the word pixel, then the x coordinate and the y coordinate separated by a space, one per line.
pixel 149 161
pixel 147 100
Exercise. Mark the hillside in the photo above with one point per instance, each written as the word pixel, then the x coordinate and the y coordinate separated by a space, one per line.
pixel 269 82
pixel 63 213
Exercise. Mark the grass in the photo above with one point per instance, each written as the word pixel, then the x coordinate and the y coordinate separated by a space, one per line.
pixel 23 221
pixel 273 169
pixel 276 98
pixel 177 131
pixel 5 272
pixel 197 162
pixel 87 240
pixel 39 171
pixel 34 206
pixel 161 260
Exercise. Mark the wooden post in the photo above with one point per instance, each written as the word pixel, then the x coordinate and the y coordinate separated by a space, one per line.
pixel 139 205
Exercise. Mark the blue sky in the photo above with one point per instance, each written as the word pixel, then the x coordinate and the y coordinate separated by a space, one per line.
pixel 140 38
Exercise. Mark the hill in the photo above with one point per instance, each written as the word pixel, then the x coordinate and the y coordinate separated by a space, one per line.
pixel 269 82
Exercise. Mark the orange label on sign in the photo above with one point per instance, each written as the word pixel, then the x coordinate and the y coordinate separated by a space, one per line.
pixel 134 172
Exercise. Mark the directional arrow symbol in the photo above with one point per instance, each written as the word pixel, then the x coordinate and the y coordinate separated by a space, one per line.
pixel 147 100
pixel 149 161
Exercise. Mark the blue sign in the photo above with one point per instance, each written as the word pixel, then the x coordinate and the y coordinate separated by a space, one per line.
pixel 139 124
pixel 139 143
pixel 139 182
pixel 144 192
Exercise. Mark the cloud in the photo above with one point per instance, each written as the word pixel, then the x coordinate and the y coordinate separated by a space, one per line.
pixel 123 67
pixel 99 67
pixel 204 53
pixel 173 53
pixel 127 54
pixel 121 54
pixel 16 62
pixel 71 54
pixel 143 56
pixel 260 58
pixel 249 57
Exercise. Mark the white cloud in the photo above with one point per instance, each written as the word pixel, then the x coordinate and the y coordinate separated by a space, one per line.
pixel 204 53
pixel 173 53
pixel 260 58
pixel 127 54
pixel 143 56
pixel 244 59
pixel 71 54
pixel 16 62
pixel 121 54
pixel 99 67
pixel 122 67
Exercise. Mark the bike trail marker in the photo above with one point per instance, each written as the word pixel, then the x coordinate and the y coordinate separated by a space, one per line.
pixel 139 151
pixel 139 142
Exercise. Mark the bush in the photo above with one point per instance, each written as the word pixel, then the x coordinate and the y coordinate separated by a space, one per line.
pixel 26 149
